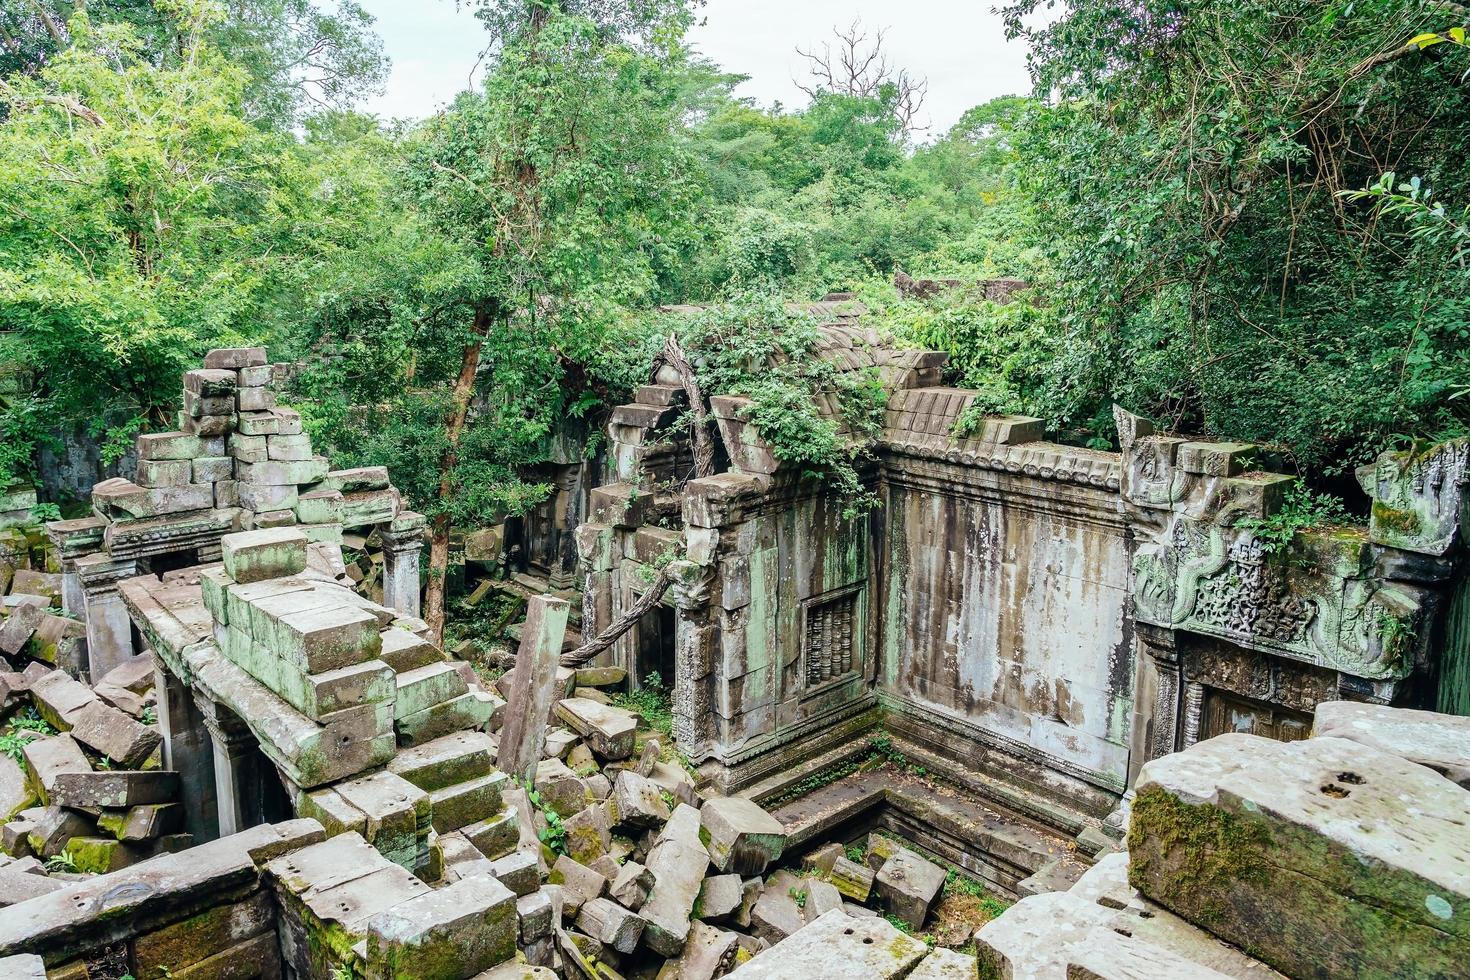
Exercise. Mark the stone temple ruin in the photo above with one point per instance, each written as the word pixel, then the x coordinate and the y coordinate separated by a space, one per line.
pixel 1087 683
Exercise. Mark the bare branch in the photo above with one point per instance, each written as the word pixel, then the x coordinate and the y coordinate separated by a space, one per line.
pixel 855 64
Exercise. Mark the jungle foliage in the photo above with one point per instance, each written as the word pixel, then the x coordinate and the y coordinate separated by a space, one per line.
pixel 1244 220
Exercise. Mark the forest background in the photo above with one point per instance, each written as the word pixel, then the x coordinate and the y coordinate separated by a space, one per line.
pixel 1239 219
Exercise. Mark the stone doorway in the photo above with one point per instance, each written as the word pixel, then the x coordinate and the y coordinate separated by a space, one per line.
pixel 1224 712
pixel 654 652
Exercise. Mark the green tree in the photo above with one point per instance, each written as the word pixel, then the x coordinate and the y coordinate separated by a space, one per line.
pixel 136 206
pixel 1208 265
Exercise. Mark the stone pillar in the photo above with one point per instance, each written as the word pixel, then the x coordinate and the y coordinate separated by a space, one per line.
pixel 1156 719
pixel 403 542
pixel 72 540
pixel 109 630
pixel 530 685
pixel 187 750
pixel 694 657
pixel 1194 702
pixel 237 772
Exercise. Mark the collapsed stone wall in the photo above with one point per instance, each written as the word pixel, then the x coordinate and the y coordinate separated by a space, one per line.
pixel 1042 618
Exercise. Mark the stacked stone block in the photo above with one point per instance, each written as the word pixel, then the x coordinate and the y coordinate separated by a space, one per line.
pixel 340 663
pixel 240 452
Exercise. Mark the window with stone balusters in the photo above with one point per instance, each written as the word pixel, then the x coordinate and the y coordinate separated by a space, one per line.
pixel 829 642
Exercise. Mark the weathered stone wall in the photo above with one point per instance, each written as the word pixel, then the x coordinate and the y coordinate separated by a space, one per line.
pixel 1005 616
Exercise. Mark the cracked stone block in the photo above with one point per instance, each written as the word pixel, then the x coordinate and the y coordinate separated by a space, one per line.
pixel 909 886
pixel 636 803
pixel 579 883
pixel 678 861
pixel 709 953
pixel 60 698
pixel 950 964
pixel 741 836
pixel 821 896
pixel 837 945
pixel 607 729
pixel 253 556
pixel 142 823
pixel 447 934
pixel 561 790
pixel 176 445
pixel 1316 832
pixel 776 913
pixel 610 924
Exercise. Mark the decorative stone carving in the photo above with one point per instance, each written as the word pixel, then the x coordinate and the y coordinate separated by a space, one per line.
pixel 1218 581
pixel 1419 501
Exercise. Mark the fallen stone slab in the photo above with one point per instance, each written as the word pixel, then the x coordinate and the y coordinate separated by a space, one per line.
pixel 631 885
pixel 719 898
pixel 853 880
pixel 143 823
pixel 54 828
pixel 50 758
pixel 20 886
pixel 455 931
pixel 610 924
pixel 949 964
pixel 59 698
pixel 678 861
pixel 25 966
pixel 909 886
pixel 1441 742
pixel 579 883
pixel 16 792
pixel 777 912
pixel 709 952
pixel 115 734
pixel 608 730
pixel 837 945
pixel 20 625
pixel 1057 936
pixel 394 809
pixel 529 687
pixel 115 789
pixel 1315 831
pixel 254 556
pixel 518 871
pixel 636 803
pixel 537 915
pixel 741 836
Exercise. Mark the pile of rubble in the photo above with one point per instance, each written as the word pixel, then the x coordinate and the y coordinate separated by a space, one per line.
pixel 89 797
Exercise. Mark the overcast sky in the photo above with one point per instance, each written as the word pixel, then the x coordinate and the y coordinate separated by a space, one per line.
pixel 958 44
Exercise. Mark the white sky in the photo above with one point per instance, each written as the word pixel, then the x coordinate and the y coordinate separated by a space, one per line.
pixel 959 45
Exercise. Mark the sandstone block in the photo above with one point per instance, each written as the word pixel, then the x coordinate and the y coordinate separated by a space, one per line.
pixel 247 449
pixel 909 886
pixel 678 861
pixel 741 836
pixel 165 472
pixel 423 687
pixel 205 406
pixel 177 445
pixel 518 871
pixel 587 834
pixel 836 945
pixel 365 507
pixel 253 556
pixel 234 358
pixel 720 898
pixel 579 883
pixel 258 424
pixel 115 788
pixel 116 735
pixel 54 828
pixel 212 469
pixel 631 885
pixel 636 803
pixel 453 932
pixel 23 966
pixel 709 953
pixel 607 729
pixel 454 758
pixel 15 790
pixel 495 836
pixel 280 471
pixel 463 804
pixel 255 399
pixel 404 651
pixel 1439 741
pixel 1313 831
pixel 468 711
pixel 258 376
pixel 611 924
pixel 561 790
pixel 394 809
pixel 263 498
pixel 50 758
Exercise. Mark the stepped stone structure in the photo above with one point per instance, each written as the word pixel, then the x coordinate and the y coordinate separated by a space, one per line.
pixel 238 462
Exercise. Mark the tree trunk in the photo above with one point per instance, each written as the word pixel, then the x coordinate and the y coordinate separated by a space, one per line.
pixel 464 389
